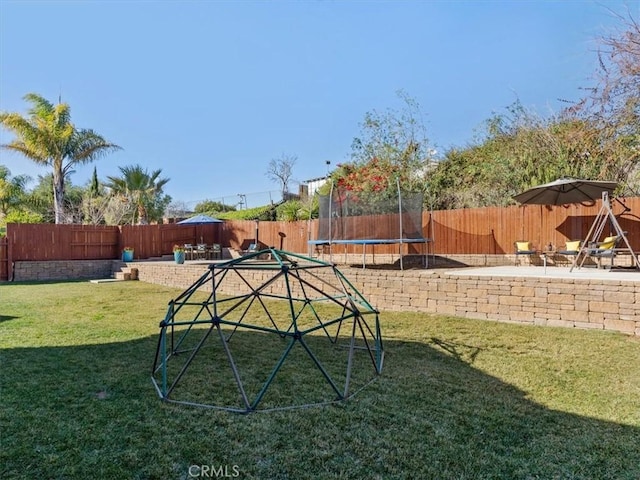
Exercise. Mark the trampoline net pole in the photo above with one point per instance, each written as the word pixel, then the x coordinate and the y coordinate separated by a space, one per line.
pixel 330 222
pixel 401 236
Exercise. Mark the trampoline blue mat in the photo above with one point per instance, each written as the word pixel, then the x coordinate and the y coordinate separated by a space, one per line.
pixel 370 241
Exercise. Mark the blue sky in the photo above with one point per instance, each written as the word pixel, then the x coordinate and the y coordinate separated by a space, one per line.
pixel 211 91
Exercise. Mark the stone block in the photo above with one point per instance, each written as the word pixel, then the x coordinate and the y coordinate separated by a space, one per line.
pixel 509 300
pixel 560 298
pixel 560 323
pixel 620 325
pixel 604 307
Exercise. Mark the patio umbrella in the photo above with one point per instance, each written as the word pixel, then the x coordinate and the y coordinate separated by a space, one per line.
pixel 199 220
pixel 566 190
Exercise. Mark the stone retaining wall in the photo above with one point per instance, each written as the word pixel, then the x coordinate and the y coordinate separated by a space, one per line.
pixel 576 303
pixel 62 270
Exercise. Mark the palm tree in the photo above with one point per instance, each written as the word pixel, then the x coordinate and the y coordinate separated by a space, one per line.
pixel 139 187
pixel 49 138
pixel 12 190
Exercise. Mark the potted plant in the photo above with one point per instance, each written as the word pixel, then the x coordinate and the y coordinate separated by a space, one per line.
pixel 127 254
pixel 178 254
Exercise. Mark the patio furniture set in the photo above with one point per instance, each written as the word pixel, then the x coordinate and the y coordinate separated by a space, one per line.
pixel 202 251
pixel 594 247
pixel 575 252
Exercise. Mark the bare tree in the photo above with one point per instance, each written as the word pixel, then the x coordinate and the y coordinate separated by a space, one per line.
pixel 280 171
pixel 94 208
pixel 178 208
pixel 118 210
pixel 613 104
pixel 618 89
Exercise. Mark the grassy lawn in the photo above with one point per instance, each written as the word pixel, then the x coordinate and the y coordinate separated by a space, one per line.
pixel 457 399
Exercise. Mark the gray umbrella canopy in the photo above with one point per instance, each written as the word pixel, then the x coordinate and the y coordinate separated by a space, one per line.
pixel 566 190
pixel 199 219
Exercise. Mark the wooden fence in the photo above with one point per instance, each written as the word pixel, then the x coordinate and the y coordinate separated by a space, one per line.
pixel 156 240
pixel 42 242
pixel 61 242
pixel 290 236
pixel 4 259
pixel 490 230
pixel 493 230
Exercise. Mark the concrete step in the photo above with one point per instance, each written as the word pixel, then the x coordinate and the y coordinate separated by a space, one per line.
pixel 126 273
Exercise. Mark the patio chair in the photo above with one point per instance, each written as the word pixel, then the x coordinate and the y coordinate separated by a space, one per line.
pixel 523 247
pixel 201 251
pixel 251 248
pixel 571 249
pixel 604 249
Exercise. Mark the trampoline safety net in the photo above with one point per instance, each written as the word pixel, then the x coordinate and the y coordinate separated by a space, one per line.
pixel 347 215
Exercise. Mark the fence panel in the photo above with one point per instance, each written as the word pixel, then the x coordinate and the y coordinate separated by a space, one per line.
pixel 150 241
pixel 93 243
pixel 143 239
pixel 62 242
pixel 290 236
pixel 492 230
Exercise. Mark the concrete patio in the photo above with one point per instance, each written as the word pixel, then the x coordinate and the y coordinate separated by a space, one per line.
pixel 584 273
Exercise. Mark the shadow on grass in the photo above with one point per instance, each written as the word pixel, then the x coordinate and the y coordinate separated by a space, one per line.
pixel 74 412
pixel 457 350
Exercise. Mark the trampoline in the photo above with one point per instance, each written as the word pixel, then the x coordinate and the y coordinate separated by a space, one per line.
pixel 373 242
pixel 371 218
